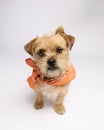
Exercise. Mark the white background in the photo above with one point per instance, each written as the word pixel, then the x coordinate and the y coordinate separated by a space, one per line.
pixel 22 20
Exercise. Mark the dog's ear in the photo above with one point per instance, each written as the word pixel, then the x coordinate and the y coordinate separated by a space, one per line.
pixel 60 30
pixel 28 46
pixel 69 39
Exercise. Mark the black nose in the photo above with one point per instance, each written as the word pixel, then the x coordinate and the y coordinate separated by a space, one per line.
pixel 51 62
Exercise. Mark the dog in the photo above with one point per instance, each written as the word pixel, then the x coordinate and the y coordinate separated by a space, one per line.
pixel 51 56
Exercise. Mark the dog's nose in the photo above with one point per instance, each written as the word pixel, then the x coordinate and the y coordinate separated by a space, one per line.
pixel 51 62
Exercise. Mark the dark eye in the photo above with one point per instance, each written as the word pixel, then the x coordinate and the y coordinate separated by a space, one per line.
pixel 59 50
pixel 41 52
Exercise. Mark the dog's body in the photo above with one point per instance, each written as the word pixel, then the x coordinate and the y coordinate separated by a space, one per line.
pixel 51 56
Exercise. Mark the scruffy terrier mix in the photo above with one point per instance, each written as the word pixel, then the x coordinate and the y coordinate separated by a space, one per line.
pixel 52 68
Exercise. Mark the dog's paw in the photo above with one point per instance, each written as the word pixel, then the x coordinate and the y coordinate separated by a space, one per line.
pixel 39 104
pixel 60 109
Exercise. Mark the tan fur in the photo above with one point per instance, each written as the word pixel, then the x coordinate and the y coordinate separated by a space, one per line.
pixel 50 43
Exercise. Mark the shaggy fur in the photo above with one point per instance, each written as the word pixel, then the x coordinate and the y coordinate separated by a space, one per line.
pixel 51 53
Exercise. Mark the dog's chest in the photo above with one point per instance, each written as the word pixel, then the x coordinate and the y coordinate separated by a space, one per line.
pixel 50 91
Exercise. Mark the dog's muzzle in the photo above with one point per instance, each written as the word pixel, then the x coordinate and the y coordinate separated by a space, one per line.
pixel 52 64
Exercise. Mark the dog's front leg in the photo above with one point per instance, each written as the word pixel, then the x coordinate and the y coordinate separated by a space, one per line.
pixel 59 107
pixel 39 102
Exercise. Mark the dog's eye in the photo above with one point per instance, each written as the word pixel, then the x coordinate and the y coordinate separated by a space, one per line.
pixel 41 52
pixel 59 50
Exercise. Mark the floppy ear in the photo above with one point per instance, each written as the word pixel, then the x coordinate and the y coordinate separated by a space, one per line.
pixel 59 30
pixel 69 39
pixel 28 46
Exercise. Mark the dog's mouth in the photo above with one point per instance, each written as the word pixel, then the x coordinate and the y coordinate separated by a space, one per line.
pixel 53 71
pixel 52 68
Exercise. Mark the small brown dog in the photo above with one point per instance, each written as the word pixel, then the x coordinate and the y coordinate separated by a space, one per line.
pixel 51 54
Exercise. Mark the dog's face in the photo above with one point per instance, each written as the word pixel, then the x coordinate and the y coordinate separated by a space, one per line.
pixel 51 52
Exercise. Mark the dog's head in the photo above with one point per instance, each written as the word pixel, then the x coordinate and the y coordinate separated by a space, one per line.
pixel 51 52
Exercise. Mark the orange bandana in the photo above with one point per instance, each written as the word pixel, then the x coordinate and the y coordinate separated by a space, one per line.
pixel 61 80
